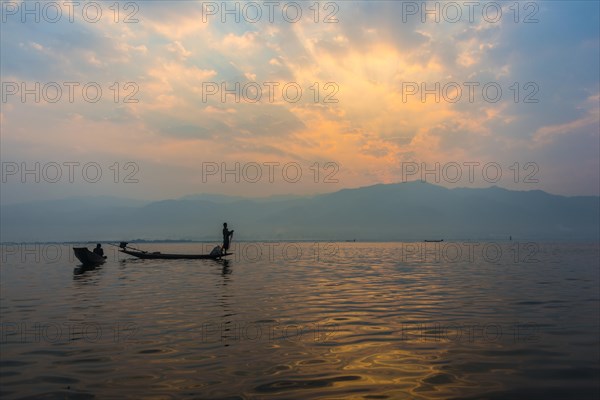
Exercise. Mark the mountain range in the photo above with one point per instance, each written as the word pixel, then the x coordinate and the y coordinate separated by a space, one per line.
pixel 385 212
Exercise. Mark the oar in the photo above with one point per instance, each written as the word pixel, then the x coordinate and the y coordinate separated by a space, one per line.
pixel 122 245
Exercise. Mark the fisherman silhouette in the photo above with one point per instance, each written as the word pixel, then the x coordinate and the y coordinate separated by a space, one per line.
pixel 98 250
pixel 227 234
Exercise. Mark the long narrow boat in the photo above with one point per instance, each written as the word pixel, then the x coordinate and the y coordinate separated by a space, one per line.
pixel 88 258
pixel 167 256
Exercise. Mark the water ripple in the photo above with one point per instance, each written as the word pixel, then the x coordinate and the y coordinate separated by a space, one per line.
pixel 364 323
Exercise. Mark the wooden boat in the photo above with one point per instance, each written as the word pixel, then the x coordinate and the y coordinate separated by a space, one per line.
pixel 87 257
pixel 167 256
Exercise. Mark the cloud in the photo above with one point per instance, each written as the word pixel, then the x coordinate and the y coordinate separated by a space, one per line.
pixel 590 120
pixel 177 48
pixel 362 62
pixel 245 42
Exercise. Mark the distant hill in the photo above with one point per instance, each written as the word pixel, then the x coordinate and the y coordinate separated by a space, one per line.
pixel 403 211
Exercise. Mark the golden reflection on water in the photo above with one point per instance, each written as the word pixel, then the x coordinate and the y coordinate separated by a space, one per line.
pixel 367 322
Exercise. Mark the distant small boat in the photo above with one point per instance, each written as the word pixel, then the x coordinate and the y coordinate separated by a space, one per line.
pixel 166 256
pixel 88 258
pixel 433 241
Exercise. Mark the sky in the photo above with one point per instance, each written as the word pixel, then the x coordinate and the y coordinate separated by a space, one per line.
pixel 161 99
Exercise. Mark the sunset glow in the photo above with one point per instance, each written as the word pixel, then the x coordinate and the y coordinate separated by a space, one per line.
pixel 382 84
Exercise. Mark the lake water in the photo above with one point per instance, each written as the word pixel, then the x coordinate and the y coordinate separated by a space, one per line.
pixel 304 321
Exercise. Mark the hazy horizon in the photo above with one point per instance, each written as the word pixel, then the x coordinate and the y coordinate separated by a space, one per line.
pixel 273 196
pixel 406 211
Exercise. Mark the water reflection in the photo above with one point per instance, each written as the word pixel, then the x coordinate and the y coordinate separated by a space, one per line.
pixel 225 302
pixel 226 270
pixel 379 326
pixel 82 269
pixel 86 275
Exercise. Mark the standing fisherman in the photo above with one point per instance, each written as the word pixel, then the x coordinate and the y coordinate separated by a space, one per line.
pixel 227 234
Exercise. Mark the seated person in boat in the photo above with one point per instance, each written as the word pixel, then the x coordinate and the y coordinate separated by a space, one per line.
pixel 98 250
pixel 226 237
